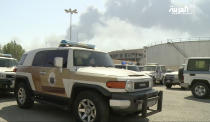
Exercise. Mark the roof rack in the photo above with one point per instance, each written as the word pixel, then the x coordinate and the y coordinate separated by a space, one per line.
pixel 65 43
pixel 5 55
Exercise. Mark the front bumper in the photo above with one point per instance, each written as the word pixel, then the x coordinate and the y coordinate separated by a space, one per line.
pixel 172 81
pixel 6 84
pixel 128 103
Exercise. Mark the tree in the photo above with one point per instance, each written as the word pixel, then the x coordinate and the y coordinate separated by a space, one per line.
pixel 1 49
pixel 14 49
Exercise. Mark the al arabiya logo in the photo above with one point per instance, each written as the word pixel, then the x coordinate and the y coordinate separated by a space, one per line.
pixel 178 7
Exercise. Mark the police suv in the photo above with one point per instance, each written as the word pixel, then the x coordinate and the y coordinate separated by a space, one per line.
pixel 76 75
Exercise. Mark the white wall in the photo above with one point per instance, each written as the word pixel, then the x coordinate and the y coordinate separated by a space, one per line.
pixel 166 54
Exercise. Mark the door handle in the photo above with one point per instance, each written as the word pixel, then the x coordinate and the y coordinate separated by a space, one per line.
pixel 192 74
pixel 42 73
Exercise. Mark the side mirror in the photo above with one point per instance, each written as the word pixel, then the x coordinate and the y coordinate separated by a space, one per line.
pixel 58 62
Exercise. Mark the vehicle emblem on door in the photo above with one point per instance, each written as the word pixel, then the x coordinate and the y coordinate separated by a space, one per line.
pixel 51 79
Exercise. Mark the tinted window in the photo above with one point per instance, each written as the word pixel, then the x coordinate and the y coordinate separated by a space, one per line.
pixel 120 66
pixel 14 62
pixel 198 65
pixel 141 68
pixel 133 68
pixel 22 59
pixel 46 58
pixel 92 58
pixel 149 68
pixel 7 62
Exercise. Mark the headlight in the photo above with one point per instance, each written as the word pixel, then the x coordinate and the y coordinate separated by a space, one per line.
pixel 129 86
pixel 2 76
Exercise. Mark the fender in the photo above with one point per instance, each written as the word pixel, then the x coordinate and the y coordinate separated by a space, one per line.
pixel 82 86
pixel 24 79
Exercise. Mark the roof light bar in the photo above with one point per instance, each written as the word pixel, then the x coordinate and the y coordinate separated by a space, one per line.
pixel 65 43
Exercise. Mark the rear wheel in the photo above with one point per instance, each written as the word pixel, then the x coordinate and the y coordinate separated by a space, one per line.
pixel 90 107
pixel 24 96
pixel 200 90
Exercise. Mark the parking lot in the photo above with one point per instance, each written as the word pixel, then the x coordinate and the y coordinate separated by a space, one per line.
pixel 178 105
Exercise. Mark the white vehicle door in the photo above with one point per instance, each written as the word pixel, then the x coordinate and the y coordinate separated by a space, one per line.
pixel 197 69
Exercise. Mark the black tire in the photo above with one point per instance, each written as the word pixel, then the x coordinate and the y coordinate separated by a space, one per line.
pixel 183 88
pixel 161 82
pixel 154 81
pixel 168 86
pixel 196 92
pixel 99 102
pixel 26 101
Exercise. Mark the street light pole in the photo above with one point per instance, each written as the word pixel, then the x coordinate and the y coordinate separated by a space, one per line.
pixel 69 11
pixel 70 28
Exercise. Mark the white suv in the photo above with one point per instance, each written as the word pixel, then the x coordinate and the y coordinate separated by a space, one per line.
pixel 197 76
pixel 156 71
pixel 7 73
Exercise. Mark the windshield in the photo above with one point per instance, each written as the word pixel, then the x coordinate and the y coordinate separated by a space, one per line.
pixel 133 68
pixel 120 66
pixel 149 68
pixel 7 62
pixel 92 58
pixel 141 68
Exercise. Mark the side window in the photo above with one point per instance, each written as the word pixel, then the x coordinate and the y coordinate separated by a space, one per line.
pixel 198 65
pixel 22 59
pixel 46 58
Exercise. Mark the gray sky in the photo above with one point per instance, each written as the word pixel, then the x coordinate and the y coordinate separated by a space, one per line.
pixel 113 24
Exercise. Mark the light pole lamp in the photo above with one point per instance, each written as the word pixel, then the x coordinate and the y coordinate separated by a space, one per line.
pixel 69 11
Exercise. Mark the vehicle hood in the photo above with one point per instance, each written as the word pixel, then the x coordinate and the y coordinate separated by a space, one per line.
pixel 172 73
pixel 6 69
pixel 109 71
pixel 148 72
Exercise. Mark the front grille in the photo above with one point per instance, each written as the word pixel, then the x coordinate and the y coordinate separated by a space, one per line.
pixel 10 76
pixel 141 85
pixel 169 77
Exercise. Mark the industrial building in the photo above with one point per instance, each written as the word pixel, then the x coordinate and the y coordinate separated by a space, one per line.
pixel 175 53
pixel 134 55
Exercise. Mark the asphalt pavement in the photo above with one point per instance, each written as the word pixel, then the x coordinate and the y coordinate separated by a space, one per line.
pixel 178 105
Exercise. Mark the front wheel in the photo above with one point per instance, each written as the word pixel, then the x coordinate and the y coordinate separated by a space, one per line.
pixel 91 107
pixel 183 88
pixel 200 90
pixel 168 86
pixel 24 96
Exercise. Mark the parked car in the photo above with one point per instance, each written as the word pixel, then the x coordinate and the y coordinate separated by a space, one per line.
pixel 156 71
pixel 7 72
pixel 127 67
pixel 141 68
pixel 171 79
pixel 78 76
pixel 196 76
pixel 181 74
